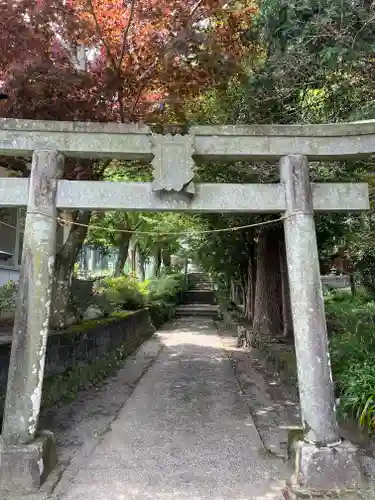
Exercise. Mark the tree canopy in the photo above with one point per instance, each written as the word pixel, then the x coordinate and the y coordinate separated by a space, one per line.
pixel 116 61
pixel 195 62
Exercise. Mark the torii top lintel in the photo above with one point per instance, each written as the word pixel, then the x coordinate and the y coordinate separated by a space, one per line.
pixel 126 141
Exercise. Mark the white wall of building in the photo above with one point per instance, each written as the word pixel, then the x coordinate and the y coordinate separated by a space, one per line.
pixel 11 240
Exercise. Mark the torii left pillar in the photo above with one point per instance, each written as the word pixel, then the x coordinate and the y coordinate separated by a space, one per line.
pixel 27 457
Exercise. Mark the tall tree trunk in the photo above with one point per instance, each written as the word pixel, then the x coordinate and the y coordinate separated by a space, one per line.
pixel 250 284
pixel 122 254
pixel 141 265
pixel 64 266
pixel 268 306
pixel 247 309
pixel 254 267
pixel 156 262
pixel 243 295
pixel 231 295
pixel 239 297
pixel 238 294
pixel 285 292
pixel 352 284
pixel 166 258
pixel 250 289
pixel 133 258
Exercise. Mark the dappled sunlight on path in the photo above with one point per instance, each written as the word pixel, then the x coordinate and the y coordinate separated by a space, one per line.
pixel 185 433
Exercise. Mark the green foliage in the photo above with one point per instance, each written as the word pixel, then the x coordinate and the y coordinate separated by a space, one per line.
pixel 358 392
pixel 127 293
pixel 315 65
pixel 165 289
pixel 362 251
pixel 162 295
pixel 107 228
pixel 8 296
pixel 352 347
pixel 367 415
pixel 119 293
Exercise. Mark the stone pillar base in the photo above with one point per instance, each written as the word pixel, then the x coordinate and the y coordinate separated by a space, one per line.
pixel 24 468
pixel 290 493
pixel 326 468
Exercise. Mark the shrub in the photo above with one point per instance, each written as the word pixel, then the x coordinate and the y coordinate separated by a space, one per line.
pixel 119 293
pixel 8 296
pixel 160 313
pixel 352 347
pixel 115 294
pixel 162 294
pixel 165 289
pixel 358 391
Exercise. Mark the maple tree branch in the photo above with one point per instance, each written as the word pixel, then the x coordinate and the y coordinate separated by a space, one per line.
pixel 196 6
pixel 100 34
pixel 120 99
pixel 149 70
pixel 126 32
pixel 137 99
pixel 143 85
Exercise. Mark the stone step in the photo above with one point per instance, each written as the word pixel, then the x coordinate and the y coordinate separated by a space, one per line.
pixel 202 284
pixel 199 282
pixel 197 310
pixel 198 278
pixel 199 297
pixel 200 288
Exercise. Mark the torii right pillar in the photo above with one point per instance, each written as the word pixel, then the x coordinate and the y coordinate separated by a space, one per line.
pixel 321 460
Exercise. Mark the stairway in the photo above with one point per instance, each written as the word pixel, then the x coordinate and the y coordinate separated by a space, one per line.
pixel 199 298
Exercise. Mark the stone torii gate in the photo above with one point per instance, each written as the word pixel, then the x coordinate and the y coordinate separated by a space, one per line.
pixel 26 456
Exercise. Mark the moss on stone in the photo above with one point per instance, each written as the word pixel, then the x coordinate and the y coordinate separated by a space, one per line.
pixel 288 359
pixel 89 324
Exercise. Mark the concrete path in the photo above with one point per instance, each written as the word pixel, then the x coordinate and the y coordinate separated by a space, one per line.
pixel 185 432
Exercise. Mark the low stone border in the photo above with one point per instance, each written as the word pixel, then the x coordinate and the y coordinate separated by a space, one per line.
pixel 280 357
pixel 84 343
pixel 280 360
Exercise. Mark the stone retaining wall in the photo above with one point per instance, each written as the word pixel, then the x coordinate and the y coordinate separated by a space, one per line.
pixel 76 346
pixel 280 357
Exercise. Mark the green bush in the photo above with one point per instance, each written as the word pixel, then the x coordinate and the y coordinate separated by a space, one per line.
pixel 8 296
pixel 119 293
pixel 162 295
pixel 352 346
pixel 160 313
pixel 112 295
pixel 358 392
pixel 165 289
pixel 126 292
